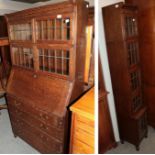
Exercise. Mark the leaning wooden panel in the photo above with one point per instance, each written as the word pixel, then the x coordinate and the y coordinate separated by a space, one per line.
pixel 47 43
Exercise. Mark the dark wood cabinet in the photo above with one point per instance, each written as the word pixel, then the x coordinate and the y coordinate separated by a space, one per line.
pixel 146 20
pixel 47 43
pixel 121 27
pixel 5 66
pixel 3 25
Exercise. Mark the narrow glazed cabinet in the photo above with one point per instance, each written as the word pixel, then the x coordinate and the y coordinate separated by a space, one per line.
pixel 123 53
pixel 46 45
pixel 146 18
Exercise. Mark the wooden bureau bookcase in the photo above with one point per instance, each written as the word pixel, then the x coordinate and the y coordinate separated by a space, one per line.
pixel 48 52
pixel 123 52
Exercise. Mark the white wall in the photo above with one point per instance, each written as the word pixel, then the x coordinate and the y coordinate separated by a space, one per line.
pixel 103 3
pixel 7 6
pixel 105 64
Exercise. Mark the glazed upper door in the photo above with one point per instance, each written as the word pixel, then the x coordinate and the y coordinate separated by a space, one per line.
pixel 21 31
pixel 46 44
pixel 55 29
pixel 54 42
pixel 130 28
pixel 132 48
pixel 22 56
pixel 58 61
pixel 130 24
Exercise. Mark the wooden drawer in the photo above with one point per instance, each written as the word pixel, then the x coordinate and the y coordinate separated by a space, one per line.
pixel 55 133
pixel 79 147
pixel 84 124
pixel 34 137
pixel 82 140
pixel 84 137
pixel 49 119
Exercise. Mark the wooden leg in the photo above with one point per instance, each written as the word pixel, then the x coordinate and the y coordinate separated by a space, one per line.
pixel 15 135
pixel 115 145
pixel 137 148
pixel 146 135
pixel 3 106
pixel 122 141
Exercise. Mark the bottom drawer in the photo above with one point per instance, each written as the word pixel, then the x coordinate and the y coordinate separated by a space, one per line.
pixel 79 147
pixel 54 132
pixel 34 137
pixel 82 138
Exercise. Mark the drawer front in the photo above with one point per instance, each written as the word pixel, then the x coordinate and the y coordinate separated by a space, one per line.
pixel 34 137
pixel 142 126
pixel 81 148
pixel 55 133
pixel 82 135
pixel 84 124
pixel 49 119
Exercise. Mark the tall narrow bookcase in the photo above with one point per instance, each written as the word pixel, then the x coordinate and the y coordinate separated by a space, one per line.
pixel 121 29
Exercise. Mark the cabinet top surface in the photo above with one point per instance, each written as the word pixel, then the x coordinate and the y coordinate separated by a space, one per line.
pixel 85 105
pixel 52 6
pixel 4 41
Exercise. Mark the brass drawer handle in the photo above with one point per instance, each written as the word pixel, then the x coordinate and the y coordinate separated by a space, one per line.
pixel 60 123
pixel 17 103
pixel 35 76
pixel 19 113
pixel 41 115
pixel 41 136
pixel 41 125
pixel 46 117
